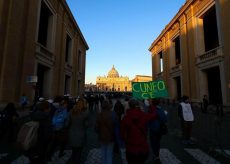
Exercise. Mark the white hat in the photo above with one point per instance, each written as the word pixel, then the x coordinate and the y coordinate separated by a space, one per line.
pixel 41 99
pixel 50 101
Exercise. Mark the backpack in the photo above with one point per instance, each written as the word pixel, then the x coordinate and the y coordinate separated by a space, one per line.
pixel 28 134
pixel 60 120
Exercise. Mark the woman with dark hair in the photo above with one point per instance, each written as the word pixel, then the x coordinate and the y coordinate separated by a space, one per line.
pixel 77 130
pixel 105 129
pixel 118 112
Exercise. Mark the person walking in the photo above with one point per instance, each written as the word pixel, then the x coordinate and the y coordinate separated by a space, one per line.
pixel 126 104
pixel 105 129
pixel 23 101
pixel 60 123
pixel 77 129
pixel 38 153
pixel 155 128
pixel 186 117
pixel 205 104
pixel 119 147
pixel 134 127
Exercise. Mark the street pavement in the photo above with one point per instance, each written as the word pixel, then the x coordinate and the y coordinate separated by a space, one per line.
pixel 172 150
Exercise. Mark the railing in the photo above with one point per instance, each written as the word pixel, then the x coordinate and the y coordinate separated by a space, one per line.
pixel 43 53
pixel 160 75
pixel 68 66
pixel 43 50
pixel 210 55
pixel 175 68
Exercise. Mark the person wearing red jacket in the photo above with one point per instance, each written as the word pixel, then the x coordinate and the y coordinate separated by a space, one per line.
pixel 134 127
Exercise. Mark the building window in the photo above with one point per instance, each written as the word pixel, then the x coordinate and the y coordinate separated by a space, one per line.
pixel 79 86
pixel 68 49
pixel 210 29
pixel 161 62
pixel 45 26
pixel 177 50
pixel 79 61
pixel 67 84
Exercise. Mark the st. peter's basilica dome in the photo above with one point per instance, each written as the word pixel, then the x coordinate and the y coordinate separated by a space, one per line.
pixel 113 73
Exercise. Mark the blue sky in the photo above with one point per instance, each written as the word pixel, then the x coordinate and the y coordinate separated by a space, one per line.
pixel 119 33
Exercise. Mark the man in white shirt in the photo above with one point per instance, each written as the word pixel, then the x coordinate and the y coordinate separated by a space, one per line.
pixel 186 117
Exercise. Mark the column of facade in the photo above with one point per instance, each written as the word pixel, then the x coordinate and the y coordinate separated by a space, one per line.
pixel 223 24
pixel 83 70
pixel 157 61
pixel 14 44
pixel 171 57
pixel 191 55
pixel 5 8
pixel 74 66
pixel 28 63
pixel 166 48
pixel 58 68
pixel 184 56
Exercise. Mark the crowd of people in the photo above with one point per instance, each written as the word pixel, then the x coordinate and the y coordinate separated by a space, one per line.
pixel 122 127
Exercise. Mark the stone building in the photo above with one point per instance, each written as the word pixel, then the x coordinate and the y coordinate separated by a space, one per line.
pixel 42 50
pixel 142 78
pixel 113 82
pixel 192 53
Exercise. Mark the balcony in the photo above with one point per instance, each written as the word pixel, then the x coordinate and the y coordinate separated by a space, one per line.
pixel 175 69
pixel 44 55
pixel 214 55
pixel 159 75
pixel 68 66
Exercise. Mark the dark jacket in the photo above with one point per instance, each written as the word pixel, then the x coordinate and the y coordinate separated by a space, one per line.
pixel 162 118
pixel 45 126
pixel 105 127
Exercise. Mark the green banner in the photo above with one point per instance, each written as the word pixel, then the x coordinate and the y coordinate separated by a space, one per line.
pixel 152 89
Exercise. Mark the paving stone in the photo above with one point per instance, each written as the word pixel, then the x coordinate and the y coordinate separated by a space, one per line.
pixel 202 157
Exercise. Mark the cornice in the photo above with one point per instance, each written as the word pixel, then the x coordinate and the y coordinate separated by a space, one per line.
pixel 175 18
pixel 70 15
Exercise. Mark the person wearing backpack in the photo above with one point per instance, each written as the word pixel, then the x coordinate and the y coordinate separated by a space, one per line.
pixel 156 130
pixel 37 153
pixel 60 123
pixel 134 128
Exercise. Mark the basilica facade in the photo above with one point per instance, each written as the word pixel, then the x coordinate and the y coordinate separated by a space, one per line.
pixel 114 82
